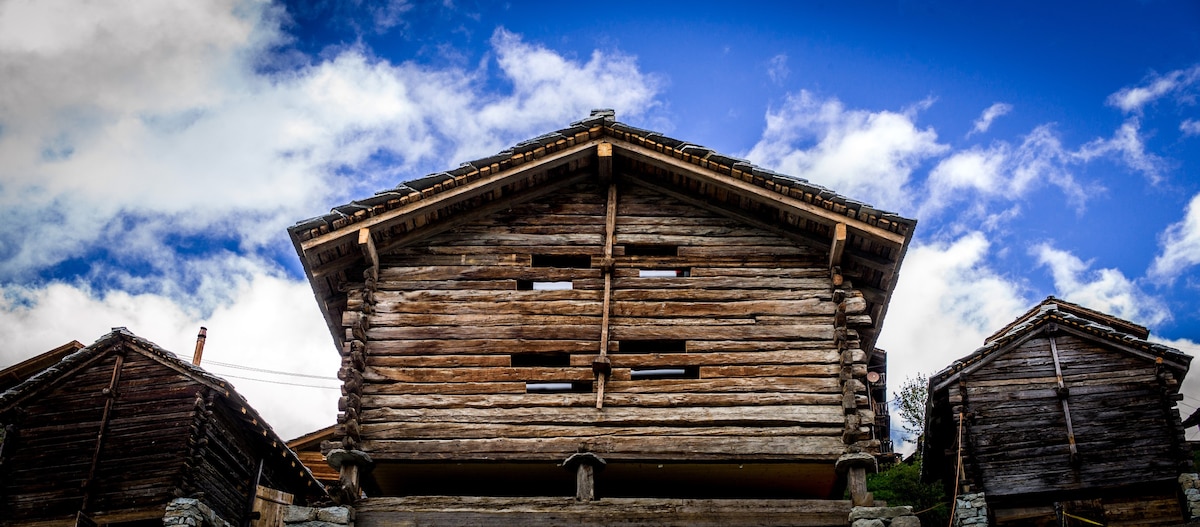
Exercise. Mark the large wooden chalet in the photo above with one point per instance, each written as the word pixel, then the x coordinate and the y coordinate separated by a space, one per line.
pixel 111 433
pixel 1066 416
pixel 604 324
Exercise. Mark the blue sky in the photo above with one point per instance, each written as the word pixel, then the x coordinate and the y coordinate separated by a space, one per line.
pixel 152 155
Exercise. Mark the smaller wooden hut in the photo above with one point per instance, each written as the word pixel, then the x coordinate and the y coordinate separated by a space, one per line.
pixel 1064 417
pixel 111 433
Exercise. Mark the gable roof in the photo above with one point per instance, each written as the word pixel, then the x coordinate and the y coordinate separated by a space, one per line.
pixel 69 362
pixel 335 248
pixel 17 373
pixel 1051 314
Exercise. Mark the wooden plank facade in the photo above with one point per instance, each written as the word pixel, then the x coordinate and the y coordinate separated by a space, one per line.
pixel 693 326
pixel 118 429
pixel 1066 408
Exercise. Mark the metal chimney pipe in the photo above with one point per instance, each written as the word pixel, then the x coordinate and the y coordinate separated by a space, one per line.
pixel 200 345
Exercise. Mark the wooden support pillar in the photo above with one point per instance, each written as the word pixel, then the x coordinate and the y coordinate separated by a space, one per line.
pixel 601 366
pixel 855 466
pixel 585 465
pixel 351 465
pixel 857 484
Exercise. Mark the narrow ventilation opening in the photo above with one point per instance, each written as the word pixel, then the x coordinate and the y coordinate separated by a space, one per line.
pixel 545 360
pixel 652 346
pixel 559 387
pixel 531 285
pixel 665 273
pixel 656 373
pixel 562 261
pixel 651 250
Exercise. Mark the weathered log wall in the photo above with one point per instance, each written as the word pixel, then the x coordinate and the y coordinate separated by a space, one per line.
pixel 743 331
pixel 46 465
pixel 1122 415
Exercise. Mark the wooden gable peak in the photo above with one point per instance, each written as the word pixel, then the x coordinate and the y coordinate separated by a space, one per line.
pixel 121 339
pixel 1055 315
pixel 866 245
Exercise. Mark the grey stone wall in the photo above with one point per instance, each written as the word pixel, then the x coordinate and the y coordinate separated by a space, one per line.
pixel 883 517
pixel 297 516
pixel 1190 483
pixel 970 510
pixel 189 512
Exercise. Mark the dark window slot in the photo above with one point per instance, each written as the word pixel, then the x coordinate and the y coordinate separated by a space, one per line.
pixel 531 285
pixel 665 273
pixel 652 346
pixel 665 372
pixel 559 387
pixel 563 261
pixel 651 250
pixel 549 359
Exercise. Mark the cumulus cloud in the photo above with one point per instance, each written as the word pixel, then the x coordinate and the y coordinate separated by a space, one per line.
pixel 129 119
pixel 1132 99
pixel 947 301
pixel 990 114
pixel 868 155
pixel 1179 246
pixel 1002 171
pixel 1106 290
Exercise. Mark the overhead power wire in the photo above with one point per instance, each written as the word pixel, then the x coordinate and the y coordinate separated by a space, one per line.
pixel 283 382
pixel 275 372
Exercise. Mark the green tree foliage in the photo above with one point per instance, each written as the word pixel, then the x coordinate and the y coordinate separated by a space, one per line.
pixel 901 484
pixel 910 403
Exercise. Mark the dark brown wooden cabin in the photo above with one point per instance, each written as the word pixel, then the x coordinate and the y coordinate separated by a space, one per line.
pixel 112 432
pixel 1065 408
pixel 664 320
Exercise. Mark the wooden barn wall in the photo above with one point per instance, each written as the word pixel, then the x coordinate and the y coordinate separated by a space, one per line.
pixel 140 461
pixel 750 318
pixel 1126 428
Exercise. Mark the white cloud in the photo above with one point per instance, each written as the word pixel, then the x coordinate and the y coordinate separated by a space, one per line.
pixel 1133 99
pixel 1127 144
pixel 990 114
pixel 1105 290
pixel 869 156
pixel 1001 171
pixel 777 68
pixel 149 143
pixel 947 301
pixel 1179 246
pixel 270 323
pixel 1190 127
pixel 132 122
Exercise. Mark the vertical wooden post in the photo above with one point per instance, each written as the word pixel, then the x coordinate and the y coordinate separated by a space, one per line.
pixel 585 465
pixel 858 488
pixel 351 486
pixel 610 227
pixel 110 397
pixel 585 482
pixel 1062 398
